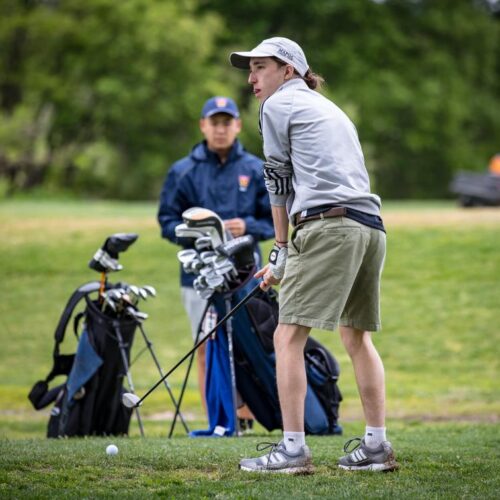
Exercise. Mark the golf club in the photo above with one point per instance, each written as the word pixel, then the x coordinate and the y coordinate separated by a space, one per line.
pixel 206 221
pixel 131 400
pixel 183 231
pixel 150 290
pixel 105 259
pixel 203 243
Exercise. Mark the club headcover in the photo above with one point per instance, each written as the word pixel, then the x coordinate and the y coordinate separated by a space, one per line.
pixel 240 250
pixel 106 258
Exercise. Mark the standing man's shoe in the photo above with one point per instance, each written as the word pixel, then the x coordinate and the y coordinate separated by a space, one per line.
pixel 279 460
pixel 363 458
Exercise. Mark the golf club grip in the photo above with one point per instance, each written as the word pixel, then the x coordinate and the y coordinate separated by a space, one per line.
pixel 214 329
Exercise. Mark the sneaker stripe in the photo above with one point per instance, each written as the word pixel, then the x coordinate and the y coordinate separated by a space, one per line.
pixel 358 456
pixel 277 458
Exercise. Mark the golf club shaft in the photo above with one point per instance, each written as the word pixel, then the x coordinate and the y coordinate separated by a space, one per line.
pixel 102 286
pixel 207 336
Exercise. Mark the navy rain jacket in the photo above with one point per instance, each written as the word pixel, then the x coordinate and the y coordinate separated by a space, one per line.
pixel 234 189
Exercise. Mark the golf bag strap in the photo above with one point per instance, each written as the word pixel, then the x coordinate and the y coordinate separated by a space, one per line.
pixel 75 298
pixel 76 323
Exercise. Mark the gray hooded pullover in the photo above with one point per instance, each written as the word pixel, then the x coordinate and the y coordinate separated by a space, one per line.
pixel 313 154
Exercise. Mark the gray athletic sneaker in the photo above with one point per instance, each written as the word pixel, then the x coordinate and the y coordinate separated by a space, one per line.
pixel 363 458
pixel 279 460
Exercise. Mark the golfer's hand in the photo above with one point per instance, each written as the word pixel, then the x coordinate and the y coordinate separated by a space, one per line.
pixel 236 227
pixel 268 280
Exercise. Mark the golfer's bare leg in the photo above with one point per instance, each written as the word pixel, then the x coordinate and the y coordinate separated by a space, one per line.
pixel 289 343
pixel 369 372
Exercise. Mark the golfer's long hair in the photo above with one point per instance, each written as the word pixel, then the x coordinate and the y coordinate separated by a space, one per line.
pixel 313 80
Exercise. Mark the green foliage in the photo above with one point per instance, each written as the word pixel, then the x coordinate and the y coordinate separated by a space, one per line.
pixel 125 80
pixel 419 79
pixel 100 97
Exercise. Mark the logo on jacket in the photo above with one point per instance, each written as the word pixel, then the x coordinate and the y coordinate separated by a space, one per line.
pixel 244 181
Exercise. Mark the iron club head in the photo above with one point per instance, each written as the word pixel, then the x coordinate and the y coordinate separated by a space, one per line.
pixel 150 290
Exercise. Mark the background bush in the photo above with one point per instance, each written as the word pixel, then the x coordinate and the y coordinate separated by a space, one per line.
pixel 98 98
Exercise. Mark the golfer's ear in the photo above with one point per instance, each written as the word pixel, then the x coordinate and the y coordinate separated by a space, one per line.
pixel 289 71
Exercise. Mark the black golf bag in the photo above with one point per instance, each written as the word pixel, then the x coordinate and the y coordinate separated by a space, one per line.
pixel 89 401
pixel 255 371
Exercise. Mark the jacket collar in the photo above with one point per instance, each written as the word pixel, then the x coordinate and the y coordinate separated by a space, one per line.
pixel 294 82
pixel 200 152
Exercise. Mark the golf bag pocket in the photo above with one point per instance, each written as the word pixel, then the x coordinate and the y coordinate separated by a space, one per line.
pixel 40 394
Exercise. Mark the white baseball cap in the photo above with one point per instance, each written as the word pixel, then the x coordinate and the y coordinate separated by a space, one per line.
pixel 284 49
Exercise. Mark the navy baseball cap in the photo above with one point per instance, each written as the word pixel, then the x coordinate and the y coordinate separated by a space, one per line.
pixel 220 104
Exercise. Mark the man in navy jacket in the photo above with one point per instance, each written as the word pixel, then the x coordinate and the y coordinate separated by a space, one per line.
pixel 221 176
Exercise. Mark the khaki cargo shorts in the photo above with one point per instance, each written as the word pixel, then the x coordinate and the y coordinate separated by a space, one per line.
pixel 332 275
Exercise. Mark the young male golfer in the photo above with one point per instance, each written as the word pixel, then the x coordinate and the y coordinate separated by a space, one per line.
pixel 330 267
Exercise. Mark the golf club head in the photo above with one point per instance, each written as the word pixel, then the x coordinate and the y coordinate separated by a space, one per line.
pixel 187 255
pixel 199 284
pixel 207 257
pixel 130 400
pixel 109 301
pixel 207 221
pixel 137 315
pixel 207 271
pixel 203 243
pixel 150 290
pixel 216 282
pixel 240 250
pixel 226 268
pixel 183 231
pixel 102 262
pixel 106 257
pixel 195 265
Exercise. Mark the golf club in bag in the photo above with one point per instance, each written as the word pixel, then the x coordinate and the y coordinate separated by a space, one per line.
pixel 88 402
pixel 221 269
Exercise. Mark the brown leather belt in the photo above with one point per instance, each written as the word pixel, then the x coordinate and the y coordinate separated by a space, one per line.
pixel 331 212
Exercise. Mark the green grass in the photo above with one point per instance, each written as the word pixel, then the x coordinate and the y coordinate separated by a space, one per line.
pixel 439 344
pixel 438 461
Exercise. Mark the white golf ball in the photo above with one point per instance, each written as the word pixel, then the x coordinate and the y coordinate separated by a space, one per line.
pixel 112 450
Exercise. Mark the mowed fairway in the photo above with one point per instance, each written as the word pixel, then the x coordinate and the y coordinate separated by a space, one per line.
pixel 440 344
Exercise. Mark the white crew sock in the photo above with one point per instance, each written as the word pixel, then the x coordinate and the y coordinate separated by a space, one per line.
pixel 294 441
pixel 374 436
